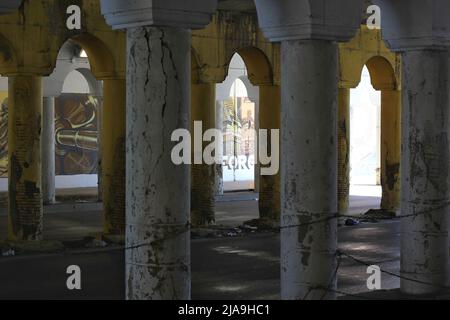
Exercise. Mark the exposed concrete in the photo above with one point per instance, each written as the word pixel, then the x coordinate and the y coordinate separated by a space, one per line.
pixel 48 150
pixel 309 168
pixel 343 150
pixel 219 167
pixel 24 158
pixel 269 186
pixel 203 186
pixel 425 170
pixel 390 149
pixel 157 214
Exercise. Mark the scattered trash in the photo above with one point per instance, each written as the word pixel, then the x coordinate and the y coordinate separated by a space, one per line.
pixel 8 253
pixel 249 228
pixel 351 222
pixel 232 234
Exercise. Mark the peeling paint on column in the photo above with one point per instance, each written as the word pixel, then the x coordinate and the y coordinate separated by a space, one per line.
pixel 203 186
pixel 203 195
pixel 269 186
pixel 48 151
pixel 113 156
pixel 25 208
pixel 158 206
pixel 309 169
pixel 343 150
pixel 390 149
pixel 425 168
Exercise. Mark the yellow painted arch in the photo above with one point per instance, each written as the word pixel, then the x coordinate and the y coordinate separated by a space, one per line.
pixel 260 71
pixel 100 56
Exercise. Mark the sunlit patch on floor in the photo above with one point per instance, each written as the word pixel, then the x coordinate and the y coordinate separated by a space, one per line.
pixel 230 288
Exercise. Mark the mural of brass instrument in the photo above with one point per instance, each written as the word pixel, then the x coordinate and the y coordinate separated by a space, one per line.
pixel 82 139
pixel 76 134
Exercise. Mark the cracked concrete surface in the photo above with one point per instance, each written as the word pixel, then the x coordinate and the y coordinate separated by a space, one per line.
pixel 158 77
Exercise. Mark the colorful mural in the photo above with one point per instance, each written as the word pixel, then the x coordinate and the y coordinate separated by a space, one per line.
pixel 76 134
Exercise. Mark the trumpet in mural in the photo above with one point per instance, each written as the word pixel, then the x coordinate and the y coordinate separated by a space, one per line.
pixel 76 134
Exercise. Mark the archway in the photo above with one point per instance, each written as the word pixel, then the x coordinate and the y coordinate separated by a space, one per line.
pixel 76 132
pixel 379 147
pixel 249 96
pixel 239 102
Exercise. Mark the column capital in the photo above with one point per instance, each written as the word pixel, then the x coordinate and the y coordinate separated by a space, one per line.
pixel 8 6
pixel 188 14
pixel 415 24
pixel 309 19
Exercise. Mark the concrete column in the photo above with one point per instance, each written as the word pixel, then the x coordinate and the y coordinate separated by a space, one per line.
pixel 158 206
pixel 100 149
pixel 257 167
pixel 269 186
pixel 203 187
pixel 219 167
pixel 343 150
pixel 309 168
pixel 390 149
pixel 425 170
pixel 113 156
pixel 25 209
pixel 48 151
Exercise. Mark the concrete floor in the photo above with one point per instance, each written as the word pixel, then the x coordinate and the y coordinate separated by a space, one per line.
pixel 241 267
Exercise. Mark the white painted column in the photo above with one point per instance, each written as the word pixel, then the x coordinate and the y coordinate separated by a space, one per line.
pixel 158 204
pixel 309 168
pixel 257 169
pixel 309 93
pixel 48 150
pixel 425 171
pixel 420 32
pixel 219 167
pixel 157 260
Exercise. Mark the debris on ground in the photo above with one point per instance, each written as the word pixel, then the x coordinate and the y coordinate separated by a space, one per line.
pixel 350 222
pixel 8 253
pixel 379 214
pixel 249 228
pixel 262 224
pixel 231 234
pixel 86 242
